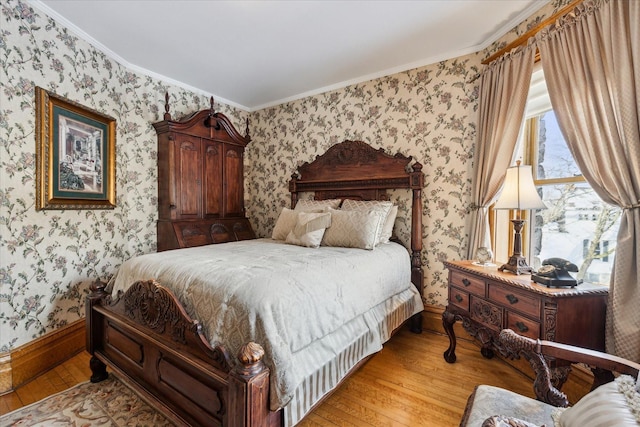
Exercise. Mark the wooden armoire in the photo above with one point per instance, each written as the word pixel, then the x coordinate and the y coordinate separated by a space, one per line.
pixel 200 180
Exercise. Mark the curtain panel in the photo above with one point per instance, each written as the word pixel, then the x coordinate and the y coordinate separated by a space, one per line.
pixel 591 62
pixel 503 97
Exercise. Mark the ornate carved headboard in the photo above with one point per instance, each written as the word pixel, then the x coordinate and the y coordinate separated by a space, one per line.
pixel 355 170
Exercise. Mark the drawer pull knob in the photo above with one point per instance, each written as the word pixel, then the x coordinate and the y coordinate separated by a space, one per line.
pixel 466 282
pixel 458 298
pixel 521 327
pixel 511 298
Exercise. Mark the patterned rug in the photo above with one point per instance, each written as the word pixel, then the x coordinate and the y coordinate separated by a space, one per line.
pixel 108 403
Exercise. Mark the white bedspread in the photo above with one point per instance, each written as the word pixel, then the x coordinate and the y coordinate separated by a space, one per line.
pixel 284 297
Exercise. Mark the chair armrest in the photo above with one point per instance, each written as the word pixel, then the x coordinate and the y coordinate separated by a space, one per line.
pixel 514 346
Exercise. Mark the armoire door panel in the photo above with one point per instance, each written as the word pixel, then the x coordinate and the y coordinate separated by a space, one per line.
pixel 189 178
pixel 212 191
pixel 234 181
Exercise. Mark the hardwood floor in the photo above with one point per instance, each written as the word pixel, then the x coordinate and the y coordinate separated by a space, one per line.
pixel 408 383
pixel 68 374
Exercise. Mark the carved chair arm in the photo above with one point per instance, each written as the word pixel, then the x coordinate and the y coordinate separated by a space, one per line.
pixel 536 353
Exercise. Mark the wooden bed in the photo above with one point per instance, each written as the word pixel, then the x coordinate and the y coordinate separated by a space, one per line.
pixel 148 338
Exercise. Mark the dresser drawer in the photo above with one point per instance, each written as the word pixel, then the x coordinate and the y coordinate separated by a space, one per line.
pixel 523 326
pixel 459 298
pixel 489 315
pixel 514 300
pixel 467 282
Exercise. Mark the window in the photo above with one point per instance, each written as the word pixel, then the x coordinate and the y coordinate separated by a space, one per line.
pixel 577 225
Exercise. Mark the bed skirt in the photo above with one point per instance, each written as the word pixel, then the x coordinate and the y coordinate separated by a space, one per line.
pixel 372 329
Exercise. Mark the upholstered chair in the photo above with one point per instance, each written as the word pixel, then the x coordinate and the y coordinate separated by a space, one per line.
pixel 613 401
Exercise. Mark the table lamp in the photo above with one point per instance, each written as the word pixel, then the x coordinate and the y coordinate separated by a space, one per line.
pixel 519 193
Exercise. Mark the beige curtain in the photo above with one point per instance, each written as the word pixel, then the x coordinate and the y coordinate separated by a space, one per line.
pixel 591 62
pixel 503 97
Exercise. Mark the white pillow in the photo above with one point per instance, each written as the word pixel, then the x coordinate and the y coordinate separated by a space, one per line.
pixel 309 229
pixel 317 205
pixel 613 404
pixel 389 222
pixel 353 229
pixel 377 205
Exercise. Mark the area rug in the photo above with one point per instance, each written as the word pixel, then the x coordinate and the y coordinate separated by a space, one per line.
pixel 107 403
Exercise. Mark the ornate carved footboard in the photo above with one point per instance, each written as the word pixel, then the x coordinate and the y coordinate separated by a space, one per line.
pixel 146 336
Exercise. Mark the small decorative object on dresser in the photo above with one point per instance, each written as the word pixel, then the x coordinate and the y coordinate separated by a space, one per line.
pixel 484 257
pixel 200 180
pixel 487 300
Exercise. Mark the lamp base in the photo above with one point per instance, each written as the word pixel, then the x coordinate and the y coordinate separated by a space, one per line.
pixel 517 265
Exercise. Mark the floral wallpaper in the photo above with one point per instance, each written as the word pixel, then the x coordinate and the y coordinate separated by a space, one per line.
pixel 49 258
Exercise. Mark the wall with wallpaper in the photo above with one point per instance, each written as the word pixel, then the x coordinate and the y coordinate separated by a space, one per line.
pixel 49 258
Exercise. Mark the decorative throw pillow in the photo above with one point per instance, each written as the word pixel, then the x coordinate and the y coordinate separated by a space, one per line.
pixel 285 223
pixel 316 205
pixel 613 404
pixel 354 229
pixel 377 205
pixel 387 227
pixel 309 229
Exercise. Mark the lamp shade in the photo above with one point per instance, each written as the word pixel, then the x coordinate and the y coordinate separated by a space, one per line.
pixel 519 191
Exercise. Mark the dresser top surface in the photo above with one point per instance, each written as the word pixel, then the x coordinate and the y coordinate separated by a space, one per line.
pixel 524 280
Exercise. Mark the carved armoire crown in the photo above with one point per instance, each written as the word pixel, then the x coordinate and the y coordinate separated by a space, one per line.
pixel 200 180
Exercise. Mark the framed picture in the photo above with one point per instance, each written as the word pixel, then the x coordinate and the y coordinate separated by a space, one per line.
pixel 75 155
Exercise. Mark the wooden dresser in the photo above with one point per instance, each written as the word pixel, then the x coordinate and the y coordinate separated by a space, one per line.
pixel 200 181
pixel 487 301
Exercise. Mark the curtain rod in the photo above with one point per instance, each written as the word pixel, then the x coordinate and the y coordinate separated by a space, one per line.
pixel 532 32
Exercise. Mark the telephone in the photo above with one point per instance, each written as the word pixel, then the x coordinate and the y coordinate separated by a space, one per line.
pixel 555 272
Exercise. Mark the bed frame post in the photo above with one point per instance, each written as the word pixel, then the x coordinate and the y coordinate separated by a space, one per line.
pixel 93 328
pixel 249 391
pixel 293 189
pixel 417 274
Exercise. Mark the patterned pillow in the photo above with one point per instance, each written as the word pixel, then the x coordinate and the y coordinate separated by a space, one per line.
pixel 377 205
pixel 285 223
pixel 309 229
pixel 316 205
pixel 613 404
pixel 354 229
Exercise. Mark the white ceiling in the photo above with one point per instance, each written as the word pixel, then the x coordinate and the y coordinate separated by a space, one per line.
pixel 255 54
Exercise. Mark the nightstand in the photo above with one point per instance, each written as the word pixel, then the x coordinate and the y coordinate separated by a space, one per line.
pixel 486 301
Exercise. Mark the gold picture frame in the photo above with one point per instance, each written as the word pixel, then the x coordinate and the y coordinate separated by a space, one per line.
pixel 75 155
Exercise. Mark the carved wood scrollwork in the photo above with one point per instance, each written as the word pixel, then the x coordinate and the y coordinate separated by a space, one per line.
pixel 514 346
pixel 191 231
pixel 152 305
pixel 550 321
pixel 357 150
pixel 486 313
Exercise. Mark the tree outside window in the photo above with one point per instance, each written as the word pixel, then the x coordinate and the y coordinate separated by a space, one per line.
pixel 575 213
